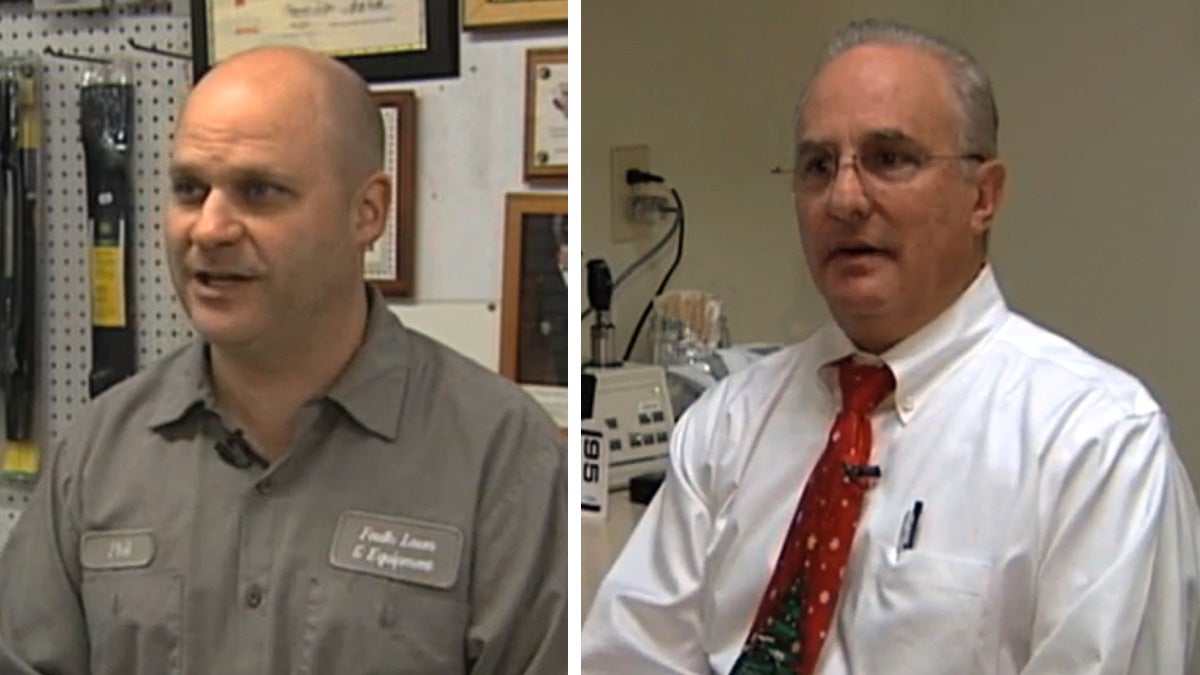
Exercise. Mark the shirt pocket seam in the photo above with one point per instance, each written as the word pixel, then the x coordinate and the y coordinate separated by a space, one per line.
pixel 410 608
pixel 149 599
pixel 937 594
pixel 926 569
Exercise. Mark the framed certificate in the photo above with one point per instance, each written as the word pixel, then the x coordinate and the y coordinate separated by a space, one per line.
pixel 388 264
pixel 384 40
pixel 546 115
pixel 533 316
pixel 491 13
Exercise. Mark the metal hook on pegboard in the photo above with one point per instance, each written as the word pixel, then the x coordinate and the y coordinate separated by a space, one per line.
pixel 60 54
pixel 152 49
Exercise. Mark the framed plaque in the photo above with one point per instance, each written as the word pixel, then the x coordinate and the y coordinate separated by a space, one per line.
pixel 546 115
pixel 492 13
pixel 388 264
pixel 384 40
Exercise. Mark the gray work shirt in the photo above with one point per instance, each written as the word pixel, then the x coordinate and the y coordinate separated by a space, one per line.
pixel 417 525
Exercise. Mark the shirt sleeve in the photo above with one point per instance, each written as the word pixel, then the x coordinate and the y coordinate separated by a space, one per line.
pixel 1117 579
pixel 518 620
pixel 646 617
pixel 42 628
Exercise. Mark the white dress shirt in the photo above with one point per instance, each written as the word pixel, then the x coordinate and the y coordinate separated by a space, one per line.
pixel 1058 531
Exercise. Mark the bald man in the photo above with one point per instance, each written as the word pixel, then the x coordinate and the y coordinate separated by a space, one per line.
pixel 309 487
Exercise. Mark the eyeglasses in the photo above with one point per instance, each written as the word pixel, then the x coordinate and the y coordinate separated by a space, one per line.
pixel 817 167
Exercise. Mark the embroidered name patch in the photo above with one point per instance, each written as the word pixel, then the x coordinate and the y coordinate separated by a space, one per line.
pixel 397 548
pixel 116 549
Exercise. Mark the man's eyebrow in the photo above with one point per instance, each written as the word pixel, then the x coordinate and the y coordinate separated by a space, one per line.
pixel 808 145
pixel 179 170
pixel 889 134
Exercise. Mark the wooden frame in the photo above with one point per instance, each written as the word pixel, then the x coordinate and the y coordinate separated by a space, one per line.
pixel 439 58
pixel 492 13
pixel 389 265
pixel 546 91
pixel 533 325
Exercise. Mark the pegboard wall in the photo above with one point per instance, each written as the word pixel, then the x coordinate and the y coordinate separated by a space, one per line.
pixel 63 285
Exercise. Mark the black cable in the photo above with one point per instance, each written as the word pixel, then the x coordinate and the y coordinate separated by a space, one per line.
pixel 679 219
pixel 645 257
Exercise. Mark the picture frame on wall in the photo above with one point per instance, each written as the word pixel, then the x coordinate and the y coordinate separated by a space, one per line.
pixel 546 92
pixel 383 40
pixel 389 263
pixel 493 13
pixel 533 312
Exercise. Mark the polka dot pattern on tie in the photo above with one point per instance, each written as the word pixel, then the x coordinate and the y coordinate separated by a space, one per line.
pixel 801 598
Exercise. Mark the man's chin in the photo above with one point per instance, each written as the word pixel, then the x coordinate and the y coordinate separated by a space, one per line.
pixel 219 331
pixel 863 295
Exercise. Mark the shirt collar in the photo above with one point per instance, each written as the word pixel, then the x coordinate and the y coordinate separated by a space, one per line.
pixel 368 390
pixel 371 389
pixel 184 385
pixel 919 360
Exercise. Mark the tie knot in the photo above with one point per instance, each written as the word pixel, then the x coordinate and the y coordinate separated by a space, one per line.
pixel 864 386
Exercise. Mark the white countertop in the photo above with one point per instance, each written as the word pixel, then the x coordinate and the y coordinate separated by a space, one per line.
pixel 600 542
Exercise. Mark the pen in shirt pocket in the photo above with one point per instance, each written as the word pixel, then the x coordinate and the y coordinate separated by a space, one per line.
pixel 909 528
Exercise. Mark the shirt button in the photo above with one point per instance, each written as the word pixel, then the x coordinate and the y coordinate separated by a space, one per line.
pixel 264 486
pixel 254 596
pixel 907 405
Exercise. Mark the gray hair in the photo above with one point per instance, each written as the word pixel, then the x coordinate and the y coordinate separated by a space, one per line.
pixel 980 121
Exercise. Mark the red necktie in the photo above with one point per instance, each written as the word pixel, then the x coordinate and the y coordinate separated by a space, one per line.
pixel 797 609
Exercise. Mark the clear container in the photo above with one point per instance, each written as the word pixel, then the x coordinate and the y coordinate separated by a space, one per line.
pixel 686 328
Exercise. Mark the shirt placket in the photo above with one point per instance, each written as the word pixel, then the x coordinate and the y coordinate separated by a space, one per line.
pixel 256 578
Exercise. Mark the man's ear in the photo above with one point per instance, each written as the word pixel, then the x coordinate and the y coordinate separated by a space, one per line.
pixel 989 194
pixel 370 209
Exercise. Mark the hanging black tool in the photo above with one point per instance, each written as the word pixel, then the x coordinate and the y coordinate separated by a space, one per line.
pixel 20 146
pixel 106 116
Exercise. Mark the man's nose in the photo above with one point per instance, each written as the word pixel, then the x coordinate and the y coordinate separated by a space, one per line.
pixel 217 223
pixel 848 198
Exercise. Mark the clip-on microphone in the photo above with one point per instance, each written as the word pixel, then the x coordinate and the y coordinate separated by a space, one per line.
pixel 237 452
pixel 856 472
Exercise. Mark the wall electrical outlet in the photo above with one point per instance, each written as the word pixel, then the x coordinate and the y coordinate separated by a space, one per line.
pixel 623 158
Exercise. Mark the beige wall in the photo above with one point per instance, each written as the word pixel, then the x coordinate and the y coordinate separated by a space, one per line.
pixel 1098 105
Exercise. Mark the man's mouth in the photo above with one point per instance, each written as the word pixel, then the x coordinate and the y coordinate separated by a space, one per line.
pixel 857 251
pixel 218 279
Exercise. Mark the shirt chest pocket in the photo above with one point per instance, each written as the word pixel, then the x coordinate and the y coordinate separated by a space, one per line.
pixel 359 624
pixel 134 621
pixel 917 612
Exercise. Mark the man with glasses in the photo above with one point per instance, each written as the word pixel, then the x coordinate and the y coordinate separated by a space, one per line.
pixel 930 484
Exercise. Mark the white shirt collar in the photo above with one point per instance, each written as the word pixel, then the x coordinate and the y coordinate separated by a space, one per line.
pixel 921 359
